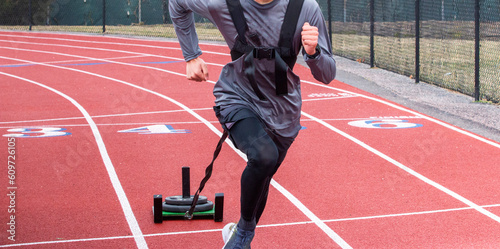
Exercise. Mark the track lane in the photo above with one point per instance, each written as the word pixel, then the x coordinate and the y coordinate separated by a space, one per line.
pixel 63 192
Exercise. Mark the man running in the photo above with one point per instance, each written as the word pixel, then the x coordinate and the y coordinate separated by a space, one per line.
pixel 258 97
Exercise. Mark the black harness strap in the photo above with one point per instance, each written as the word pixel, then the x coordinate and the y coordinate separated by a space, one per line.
pixel 208 174
pixel 280 75
pixel 284 55
pixel 285 45
pixel 240 23
pixel 288 31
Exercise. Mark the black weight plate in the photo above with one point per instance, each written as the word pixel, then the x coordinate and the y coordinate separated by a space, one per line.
pixel 178 200
pixel 184 208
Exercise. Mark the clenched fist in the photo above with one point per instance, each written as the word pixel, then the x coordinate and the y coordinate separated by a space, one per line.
pixel 309 38
pixel 197 70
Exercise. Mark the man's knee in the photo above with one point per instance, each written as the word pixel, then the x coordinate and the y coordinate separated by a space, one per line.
pixel 263 157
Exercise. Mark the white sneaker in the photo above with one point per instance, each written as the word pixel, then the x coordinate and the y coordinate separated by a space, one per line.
pixel 228 231
pixel 236 238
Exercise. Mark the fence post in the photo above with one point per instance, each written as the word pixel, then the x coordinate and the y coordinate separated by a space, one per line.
pixel 417 41
pixel 104 16
pixel 372 33
pixel 477 40
pixel 30 15
pixel 140 12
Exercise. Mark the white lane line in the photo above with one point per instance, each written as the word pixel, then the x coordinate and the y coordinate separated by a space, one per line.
pixel 407 169
pixel 111 124
pixel 93 36
pixel 102 49
pixel 97 59
pixel 115 181
pixel 100 116
pixel 64 241
pixel 121 43
pixel 292 199
pixel 330 98
pixel 298 223
pixel 75 61
pixel 409 214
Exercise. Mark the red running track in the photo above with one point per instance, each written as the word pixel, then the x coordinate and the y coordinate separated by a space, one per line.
pixel 96 125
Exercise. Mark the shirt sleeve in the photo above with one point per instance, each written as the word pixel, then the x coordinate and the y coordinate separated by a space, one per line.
pixel 323 66
pixel 181 12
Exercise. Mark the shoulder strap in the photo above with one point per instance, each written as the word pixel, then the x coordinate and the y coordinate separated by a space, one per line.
pixel 286 56
pixel 288 30
pixel 240 23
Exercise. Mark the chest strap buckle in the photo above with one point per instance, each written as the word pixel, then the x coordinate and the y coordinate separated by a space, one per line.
pixel 264 53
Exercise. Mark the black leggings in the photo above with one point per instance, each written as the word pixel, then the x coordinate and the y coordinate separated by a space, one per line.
pixel 265 152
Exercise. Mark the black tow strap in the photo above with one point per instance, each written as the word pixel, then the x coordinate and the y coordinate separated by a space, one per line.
pixel 208 174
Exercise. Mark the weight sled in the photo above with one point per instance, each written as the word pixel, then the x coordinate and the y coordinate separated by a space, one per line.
pixel 176 207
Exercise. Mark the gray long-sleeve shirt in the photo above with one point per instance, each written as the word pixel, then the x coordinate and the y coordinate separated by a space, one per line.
pixel 280 113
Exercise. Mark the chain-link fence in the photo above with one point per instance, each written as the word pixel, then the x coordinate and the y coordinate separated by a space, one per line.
pixel 432 40
pixel 451 43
